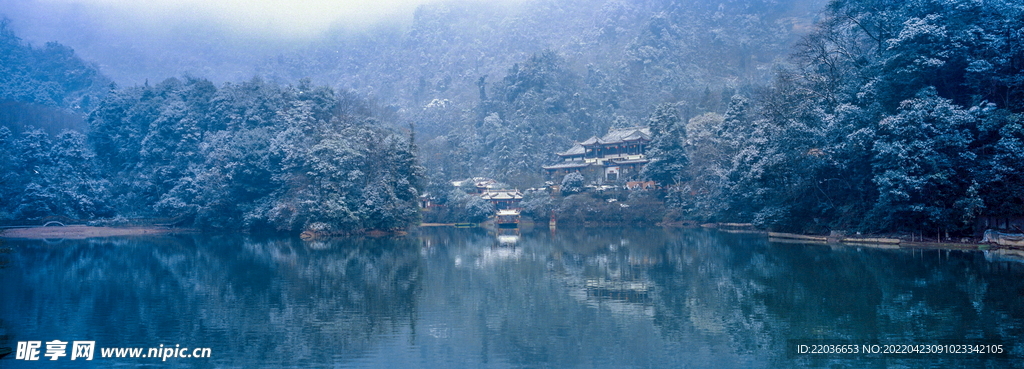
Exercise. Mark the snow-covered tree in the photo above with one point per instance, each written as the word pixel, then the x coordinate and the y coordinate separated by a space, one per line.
pixel 572 183
pixel 669 163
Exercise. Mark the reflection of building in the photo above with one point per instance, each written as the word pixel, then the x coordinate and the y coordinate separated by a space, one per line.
pixel 610 275
pixel 614 157
pixel 503 199
pixel 626 291
pixel 507 237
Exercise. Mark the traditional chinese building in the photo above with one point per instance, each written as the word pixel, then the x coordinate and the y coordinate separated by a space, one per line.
pixel 503 199
pixel 480 184
pixel 617 156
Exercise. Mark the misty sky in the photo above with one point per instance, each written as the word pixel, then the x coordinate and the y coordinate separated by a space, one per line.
pixel 138 40
pixel 294 18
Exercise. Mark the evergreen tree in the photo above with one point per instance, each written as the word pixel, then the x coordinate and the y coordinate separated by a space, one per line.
pixel 10 176
pixel 889 120
pixel 923 165
pixel 669 162
pixel 572 183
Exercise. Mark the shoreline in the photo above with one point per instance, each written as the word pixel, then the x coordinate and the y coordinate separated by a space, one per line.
pixel 80 232
pixel 879 241
pixel 77 232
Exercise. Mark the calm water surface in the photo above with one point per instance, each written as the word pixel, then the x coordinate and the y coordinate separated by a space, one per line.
pixel 454 298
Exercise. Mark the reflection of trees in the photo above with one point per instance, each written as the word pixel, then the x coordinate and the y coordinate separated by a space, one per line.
pixel 742 298
pixel 463 298
pixel 607 269
pixel 581 297
pixel 257 301
pixel 5 261
pixel 694 295
pixel 5 255
pixel 751 295
pixel 709 300
pixel 509 308
pixel 864 293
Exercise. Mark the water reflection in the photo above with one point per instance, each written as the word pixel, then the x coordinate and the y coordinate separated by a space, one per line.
pixel 264 302
pixel 469 298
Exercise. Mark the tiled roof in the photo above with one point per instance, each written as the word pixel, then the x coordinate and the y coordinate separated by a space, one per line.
pixel 502 195
pixel 626 134
pixel 620 135
pixel 576 149
pixel 591 141
pixel 567 165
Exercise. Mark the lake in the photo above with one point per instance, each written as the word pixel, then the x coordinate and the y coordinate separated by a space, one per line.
pixel 466 298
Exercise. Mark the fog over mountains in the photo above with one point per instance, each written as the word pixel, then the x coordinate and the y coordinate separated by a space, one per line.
pixel 792 114
pixel 231 41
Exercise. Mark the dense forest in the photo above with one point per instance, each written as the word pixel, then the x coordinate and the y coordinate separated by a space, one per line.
pixel 48 87
pixel 250 155
pixel 504 90
pixel 795 115
pixel 893 117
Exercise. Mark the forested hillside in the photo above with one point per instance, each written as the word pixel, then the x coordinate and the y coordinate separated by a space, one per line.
pixel 250 155
pixel 504 87
pixel 48 86
pixel 894 117
pixel 857 115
